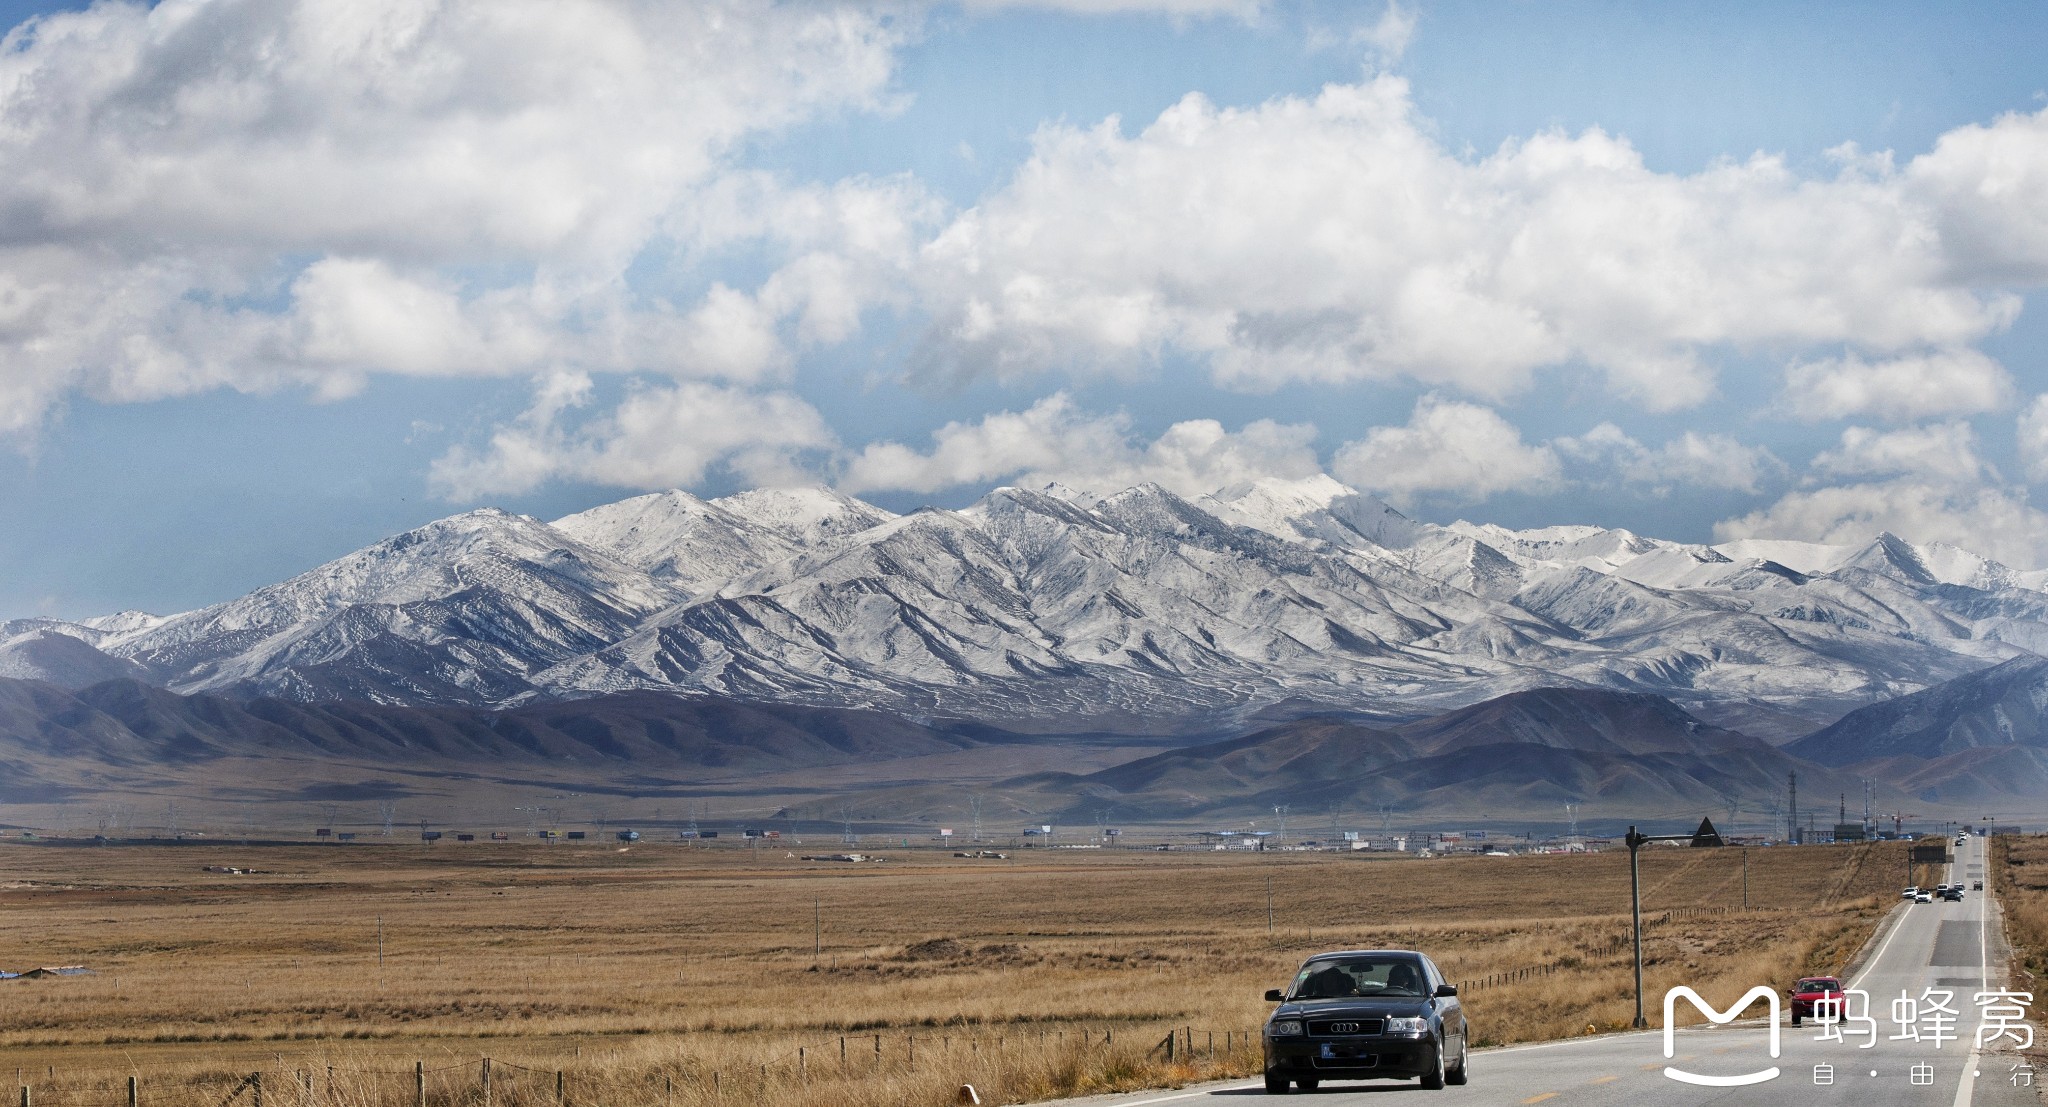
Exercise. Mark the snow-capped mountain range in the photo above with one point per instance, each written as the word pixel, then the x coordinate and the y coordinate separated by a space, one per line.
pixel 1051 606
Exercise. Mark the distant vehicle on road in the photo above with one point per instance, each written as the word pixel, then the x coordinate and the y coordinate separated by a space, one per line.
pixel 1810 991
pixel 1365 1015
pixel 1976 885
pixel 1909 893
pixel 1923 897
pixel 1953 893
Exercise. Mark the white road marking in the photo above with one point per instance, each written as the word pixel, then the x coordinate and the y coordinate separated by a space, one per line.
pixel 1185 1095
pixel 1967 1086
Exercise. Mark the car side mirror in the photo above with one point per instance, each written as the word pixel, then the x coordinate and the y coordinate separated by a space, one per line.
pixel 1446 990
pixel 1273 995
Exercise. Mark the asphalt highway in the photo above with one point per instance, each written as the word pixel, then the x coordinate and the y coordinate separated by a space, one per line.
pixel 1943 946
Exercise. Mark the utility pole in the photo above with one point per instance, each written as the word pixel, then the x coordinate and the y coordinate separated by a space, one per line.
pixel 1635 843
pixel 1745 878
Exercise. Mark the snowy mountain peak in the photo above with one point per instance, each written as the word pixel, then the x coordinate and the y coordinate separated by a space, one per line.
pixel 677 537
pixel 806 516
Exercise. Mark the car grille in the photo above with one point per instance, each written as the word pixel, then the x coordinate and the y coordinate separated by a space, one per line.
pixel 1341 1027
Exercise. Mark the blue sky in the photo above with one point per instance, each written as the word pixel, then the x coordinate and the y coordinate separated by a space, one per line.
pixel 279 280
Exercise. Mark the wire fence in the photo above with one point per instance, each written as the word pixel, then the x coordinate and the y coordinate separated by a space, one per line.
pixel 487 1081
pixel 1622 943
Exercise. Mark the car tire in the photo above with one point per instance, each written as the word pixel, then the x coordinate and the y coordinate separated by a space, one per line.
pixel 1307 1085
pixel 1458 1075
pixel 1434 1079
pixel 1276 1085
pixel 1795 1018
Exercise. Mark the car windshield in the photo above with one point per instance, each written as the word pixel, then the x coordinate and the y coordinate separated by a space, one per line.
pixel 1384 976
pixel 1820 985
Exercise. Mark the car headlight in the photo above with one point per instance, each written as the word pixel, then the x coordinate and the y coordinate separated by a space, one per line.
pixel 1285 1029
pixel 1407 1026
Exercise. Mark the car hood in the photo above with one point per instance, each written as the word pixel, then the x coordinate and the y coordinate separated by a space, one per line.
pixel 1363 1008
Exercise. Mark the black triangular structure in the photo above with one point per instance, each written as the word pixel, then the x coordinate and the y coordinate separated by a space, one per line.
pixel 1706 835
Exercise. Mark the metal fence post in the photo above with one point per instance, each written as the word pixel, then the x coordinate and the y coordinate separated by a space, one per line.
pixel 487 1082
pixel 561 1086
pixel 131 1092
pixel 419 1083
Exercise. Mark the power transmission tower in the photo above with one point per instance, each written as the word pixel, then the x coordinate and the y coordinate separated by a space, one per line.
pixel 974 806
pixel 1280 833
pixel 1794 836
pixel 386 811
pixel 1571 814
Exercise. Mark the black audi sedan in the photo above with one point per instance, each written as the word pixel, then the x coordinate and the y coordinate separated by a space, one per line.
pixel 1379 1014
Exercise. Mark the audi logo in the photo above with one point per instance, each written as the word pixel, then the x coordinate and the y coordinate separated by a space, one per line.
pixel 1343 1028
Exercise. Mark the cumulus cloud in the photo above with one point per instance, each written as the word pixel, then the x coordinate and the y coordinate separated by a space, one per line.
pixel 1943 451
pixel 1335 238
pixel 2033 439
pixel 1447 447
pixel 1242 9
pixel 1985 183
pixel 245 194
pixel 1995 522
pixel 659 437
pixel 1699 460
pixel 1916 386
pixel 1925 484
pixel 1053 440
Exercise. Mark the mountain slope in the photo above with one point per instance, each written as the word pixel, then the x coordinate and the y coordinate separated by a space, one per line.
pixel 1999 707
pixel 1056 610
pixel 1527 751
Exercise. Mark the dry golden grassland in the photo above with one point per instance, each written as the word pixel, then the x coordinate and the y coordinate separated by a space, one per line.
pixel 2018 875
pixel 640 974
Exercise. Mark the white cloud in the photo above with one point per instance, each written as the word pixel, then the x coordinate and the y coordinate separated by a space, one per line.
pixel 253 194
pixel 1446 447
pixel 1242 9
pixel 1995 522
pixel 1390 36
pixel 1699 460
pixel 1943 451
pixel 1335 239
pixel 2033 439
pixel 1925 484
pixel 1940 382
pixel 1986 181
pixel 658 437
pixel 1053 440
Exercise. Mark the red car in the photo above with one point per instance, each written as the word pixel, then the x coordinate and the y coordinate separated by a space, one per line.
pixel 1810 991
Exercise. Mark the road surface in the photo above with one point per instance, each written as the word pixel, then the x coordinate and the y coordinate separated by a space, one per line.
pixel 1953 946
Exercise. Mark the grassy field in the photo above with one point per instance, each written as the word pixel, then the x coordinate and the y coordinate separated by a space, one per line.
pixel 639 974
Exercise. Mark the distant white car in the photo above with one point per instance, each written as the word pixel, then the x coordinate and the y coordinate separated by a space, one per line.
pixel 1923 897
pixel 1909 893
